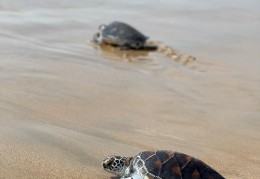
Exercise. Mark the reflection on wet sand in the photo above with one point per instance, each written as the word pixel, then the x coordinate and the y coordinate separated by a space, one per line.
pixel 117 54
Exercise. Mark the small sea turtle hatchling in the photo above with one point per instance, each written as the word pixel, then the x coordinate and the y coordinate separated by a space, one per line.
pixel 121 35
pixel 159 164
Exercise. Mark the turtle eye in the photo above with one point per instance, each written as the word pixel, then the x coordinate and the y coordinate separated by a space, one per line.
pixel 108 162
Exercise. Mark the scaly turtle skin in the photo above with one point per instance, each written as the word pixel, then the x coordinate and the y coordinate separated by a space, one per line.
pixel 160 164
pixel 121 35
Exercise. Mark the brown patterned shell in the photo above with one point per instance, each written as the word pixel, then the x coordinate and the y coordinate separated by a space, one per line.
pixel 162 164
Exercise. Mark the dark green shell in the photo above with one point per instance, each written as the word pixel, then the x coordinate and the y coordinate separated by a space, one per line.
pixel 123 31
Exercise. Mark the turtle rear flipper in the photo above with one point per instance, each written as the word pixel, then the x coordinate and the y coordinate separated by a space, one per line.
pixel 205 171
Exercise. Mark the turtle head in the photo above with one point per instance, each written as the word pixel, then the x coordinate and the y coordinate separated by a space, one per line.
pixel 97 38
pixel 117 165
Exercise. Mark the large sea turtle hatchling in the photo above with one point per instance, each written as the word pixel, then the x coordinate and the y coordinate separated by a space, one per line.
pixel 121 35
pixel 160 164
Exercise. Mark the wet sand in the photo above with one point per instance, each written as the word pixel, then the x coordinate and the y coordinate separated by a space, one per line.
pixel 65 104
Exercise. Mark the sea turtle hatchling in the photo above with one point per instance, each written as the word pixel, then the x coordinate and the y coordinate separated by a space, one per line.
pixel 122 35
pixel 160 164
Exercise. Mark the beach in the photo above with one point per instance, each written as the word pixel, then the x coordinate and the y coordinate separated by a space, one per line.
pixel 66 104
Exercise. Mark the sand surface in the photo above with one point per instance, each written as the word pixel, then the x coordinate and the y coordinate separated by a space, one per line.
pixel 66 104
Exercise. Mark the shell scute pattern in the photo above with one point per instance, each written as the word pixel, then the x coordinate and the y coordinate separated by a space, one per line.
pixel 173 165
pixel 153 165
pixel 183 160
pixel 171 169
pixel 146 154
pixel 164 155
pixel 204 170
pixel 123 31
pixel 161 164
pixel 191 171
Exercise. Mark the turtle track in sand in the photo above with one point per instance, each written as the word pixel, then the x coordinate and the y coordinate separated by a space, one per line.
pixel 171 53
pixel 129 55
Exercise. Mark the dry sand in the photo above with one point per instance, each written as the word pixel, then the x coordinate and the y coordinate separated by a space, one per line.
pixel 65 105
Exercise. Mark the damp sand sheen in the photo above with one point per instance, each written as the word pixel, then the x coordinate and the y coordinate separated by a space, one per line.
pixel 65 104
